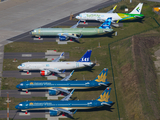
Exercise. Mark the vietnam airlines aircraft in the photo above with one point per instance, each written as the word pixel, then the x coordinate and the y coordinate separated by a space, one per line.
pixel 65 105
pixel 73 32
pixel 55 87
pixel 116 17
pixel 47 68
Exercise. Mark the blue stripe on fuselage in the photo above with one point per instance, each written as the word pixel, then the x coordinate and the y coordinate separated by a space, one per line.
pixel 40 84
pixel 62 104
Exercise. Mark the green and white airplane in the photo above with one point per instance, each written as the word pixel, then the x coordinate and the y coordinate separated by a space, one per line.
pixel 116 17
pixel 73 32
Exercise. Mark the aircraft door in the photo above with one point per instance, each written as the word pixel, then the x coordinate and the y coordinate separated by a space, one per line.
pixel 77 64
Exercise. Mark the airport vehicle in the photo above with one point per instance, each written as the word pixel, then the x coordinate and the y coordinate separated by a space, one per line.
pixel 55 87
pixel 46 68
pixel 116 17
pixel 65 105
pixel 73 32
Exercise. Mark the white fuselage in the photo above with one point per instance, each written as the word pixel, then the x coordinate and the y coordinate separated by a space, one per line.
pixel 98 16
pixel 53 65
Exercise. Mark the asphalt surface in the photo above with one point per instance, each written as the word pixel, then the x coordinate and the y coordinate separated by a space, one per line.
pixel 17 94
pixel 27 55
pixel 27 37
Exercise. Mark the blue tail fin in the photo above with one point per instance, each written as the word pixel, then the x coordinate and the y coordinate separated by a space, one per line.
pixel 105 97
pixel 102 77
pixel 106 24
pixel 86 57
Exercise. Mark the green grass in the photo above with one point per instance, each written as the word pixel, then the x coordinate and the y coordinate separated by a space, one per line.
pixel 101 54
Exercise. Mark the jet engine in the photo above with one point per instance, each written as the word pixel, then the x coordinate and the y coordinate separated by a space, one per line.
pixel 45 72
pixel 62 38
pixel 54 113
pixel 53 92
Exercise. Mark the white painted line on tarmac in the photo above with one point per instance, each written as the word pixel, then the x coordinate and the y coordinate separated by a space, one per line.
pixel 25 73
pixel 24 93
pixel 37 39
pixel 26 55
pixel 24 114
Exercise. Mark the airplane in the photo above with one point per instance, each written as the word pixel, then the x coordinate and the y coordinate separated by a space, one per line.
pixel 116 17
pixel 65 105
pixel 63 86
pixel 46 68
pixel 73 32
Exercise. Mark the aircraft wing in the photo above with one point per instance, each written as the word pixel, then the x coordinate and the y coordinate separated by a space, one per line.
pixel 57 59
pixel 68 96
pixel 62 90
pixel 67 78
pixel 111 11
pixel 75 26
pixel 65 111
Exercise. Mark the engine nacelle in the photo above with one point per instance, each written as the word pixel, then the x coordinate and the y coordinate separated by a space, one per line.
pixel 54 113
pixel 53 92
pixel 45 72
pixel 62 38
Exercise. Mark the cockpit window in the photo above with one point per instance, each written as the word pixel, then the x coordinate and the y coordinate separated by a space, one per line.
pixel 21 84
pixel 34 31
pixel 20 104
pixel 22 65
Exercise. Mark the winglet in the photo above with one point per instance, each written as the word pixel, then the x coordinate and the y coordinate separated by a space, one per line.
pixel 111 11
pixel 72 92
pixel 75 111
pixel 62 54
pixel 72 72
pixel 68 96
pixel 57 59
pixel 75 26
pixel 114 7
pixel 67 78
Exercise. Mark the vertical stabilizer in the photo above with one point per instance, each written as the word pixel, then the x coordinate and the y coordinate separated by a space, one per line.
pixel 137 9
pixel 105 96
pixel 106 24
pixel 86 57
pixel 102 77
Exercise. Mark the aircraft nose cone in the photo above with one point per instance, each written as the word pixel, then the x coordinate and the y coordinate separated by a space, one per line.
pixel 17 106
pixel 77 17
pixel 18 86
pixel 30 32
pixel 18 67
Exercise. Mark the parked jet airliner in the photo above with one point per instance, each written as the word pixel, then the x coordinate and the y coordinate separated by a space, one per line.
pixel 47 67
pixel 55 87
pixel 116 17
pixel 65 105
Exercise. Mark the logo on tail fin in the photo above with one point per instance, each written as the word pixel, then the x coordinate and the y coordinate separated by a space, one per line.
pixel 86 57
pixel 101 78
pixel 138 9
pixel 104 97
pixel 106 24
